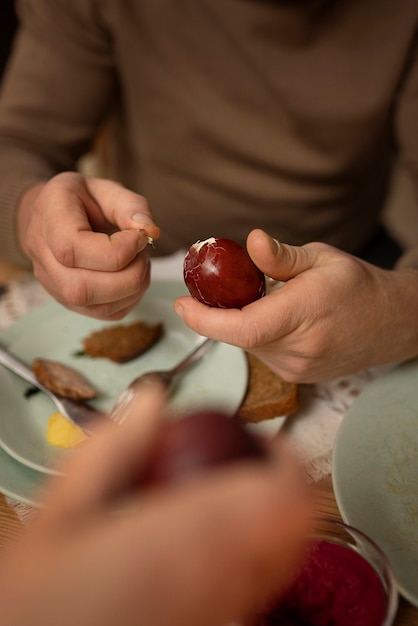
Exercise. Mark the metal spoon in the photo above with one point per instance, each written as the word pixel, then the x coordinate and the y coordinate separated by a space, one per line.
pixel 166 377
pixel 78 412
pixel 82 413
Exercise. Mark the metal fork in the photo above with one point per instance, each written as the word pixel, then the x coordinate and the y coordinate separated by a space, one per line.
pixel 80 413
pixel 166 377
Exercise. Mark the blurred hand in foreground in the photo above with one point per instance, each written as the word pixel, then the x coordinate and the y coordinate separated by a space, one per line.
pixel 204 551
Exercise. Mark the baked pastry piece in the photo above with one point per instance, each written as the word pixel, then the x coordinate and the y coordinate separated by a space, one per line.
pixel 122 342
pixel 62 380
pixel 268 395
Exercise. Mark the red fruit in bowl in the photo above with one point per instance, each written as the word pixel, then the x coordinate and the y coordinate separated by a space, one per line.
pixel 197 442
pixel 220 273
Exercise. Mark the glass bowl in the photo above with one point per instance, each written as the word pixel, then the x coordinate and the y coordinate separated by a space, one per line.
pixel 345 580
pixel 342 534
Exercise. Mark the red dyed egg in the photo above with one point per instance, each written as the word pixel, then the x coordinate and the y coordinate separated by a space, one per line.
pixel 220 273
pixel 197 442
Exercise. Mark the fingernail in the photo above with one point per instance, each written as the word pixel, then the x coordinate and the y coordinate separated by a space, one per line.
pixel 178 309
pixel 277 246
pixel 149 240
pixel 144 218
pixel 142 243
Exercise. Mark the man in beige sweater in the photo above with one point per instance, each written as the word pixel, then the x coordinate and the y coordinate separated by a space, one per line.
pixel 222 117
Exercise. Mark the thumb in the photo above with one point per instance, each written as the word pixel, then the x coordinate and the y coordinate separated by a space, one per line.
pixel 123 207
pixel 281 261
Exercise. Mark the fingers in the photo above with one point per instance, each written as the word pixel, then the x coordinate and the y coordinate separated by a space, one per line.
pixel 87 222
pixel 215 548
pixel 110 460
pixel 123 207
pixel 107 295
pixel 281 261
pixel 95 251
pixel 234 538
pixel 78 254
pixel 227 325
pixel 245 328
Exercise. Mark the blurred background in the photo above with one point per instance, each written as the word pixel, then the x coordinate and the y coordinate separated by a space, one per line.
pixel 402 209
pixel 8 25
pixel 401 213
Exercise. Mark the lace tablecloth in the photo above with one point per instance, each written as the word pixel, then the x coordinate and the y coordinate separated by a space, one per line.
pixel 311 430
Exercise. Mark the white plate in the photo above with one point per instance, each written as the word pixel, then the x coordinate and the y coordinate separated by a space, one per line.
pixel 19 482
pixel 375 470
pixel 54 332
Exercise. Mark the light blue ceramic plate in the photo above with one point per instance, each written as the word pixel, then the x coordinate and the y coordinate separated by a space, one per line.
pixel 53 332
pixel 375 470
pixel 19 481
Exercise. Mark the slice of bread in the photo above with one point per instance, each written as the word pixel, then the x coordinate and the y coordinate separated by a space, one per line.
pixel 268 395
pixel 123 342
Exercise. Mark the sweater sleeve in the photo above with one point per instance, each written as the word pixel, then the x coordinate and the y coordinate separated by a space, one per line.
pixel 406 134
pixel 54 96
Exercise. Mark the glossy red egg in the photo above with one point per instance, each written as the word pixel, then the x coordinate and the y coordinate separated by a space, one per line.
pixel 197 442
pixel 220 273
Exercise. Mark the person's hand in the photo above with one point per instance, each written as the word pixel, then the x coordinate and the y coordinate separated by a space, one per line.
pixel 87 239
pixel 206 551
pixel 334 315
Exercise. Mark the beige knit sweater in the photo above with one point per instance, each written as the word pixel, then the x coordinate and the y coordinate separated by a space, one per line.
pixel 225 114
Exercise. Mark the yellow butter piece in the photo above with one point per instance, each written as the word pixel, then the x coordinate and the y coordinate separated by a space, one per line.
pixel 63 433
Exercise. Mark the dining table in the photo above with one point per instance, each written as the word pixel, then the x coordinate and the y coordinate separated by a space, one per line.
pixel 12 526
